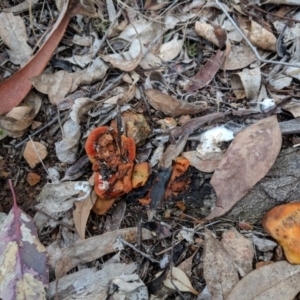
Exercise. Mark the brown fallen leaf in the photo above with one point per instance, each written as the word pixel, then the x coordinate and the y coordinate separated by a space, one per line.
pixel 240 249
pixel 274 281
pixel 92 248
pixel 262 38
pixel 34 152
pixel 218 268
pixel 171 106
pixel 33 178
pixel 247 160
pixel 205 75
pixel 82 211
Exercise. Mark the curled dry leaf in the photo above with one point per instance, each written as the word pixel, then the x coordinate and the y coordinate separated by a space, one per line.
pixel 13 34
pixel 66 149
pixel 283 224
pixel 171 106
pixel 82 212
pixel 125 65
pixel 95 247
pixel 275 281
pixel 214 34
pixel 205 75
pixel 21 117
pixel 23 269
pixel 246 83
pixel 262 38
pixel 180 280
pixel 171 49
pixel 247 160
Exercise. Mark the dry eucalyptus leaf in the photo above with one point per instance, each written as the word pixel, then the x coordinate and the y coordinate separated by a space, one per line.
pixel 13 34
pixel 180 280
pixel 206 74
pixel 209 33
pixel 81 106
pixel 246 83
pixel 293 108
pixel 34 152
pixel 247 160
pixel 240 56
pixel 125 65
pixel 21 117
pixel 207 165
pixel 95 247
pixel 56 85
pixel 218 268
pixel 276 281
pixel 240 249
pixel 66 149
pixel 171 106
pixel 171 49
pixel 262 38
pixel 82 211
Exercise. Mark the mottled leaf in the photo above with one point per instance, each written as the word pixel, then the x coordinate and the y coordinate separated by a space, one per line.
pixel 23 259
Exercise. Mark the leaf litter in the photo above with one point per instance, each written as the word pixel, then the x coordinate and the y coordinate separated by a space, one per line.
pixel 166 82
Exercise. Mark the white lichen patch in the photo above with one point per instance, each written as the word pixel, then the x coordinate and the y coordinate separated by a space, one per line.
pixel 29 287
pixel 27 234
pixel 85 188
pixel 25 218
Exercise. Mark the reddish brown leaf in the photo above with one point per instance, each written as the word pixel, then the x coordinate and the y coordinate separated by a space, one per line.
pixel 247 160
pixel 206 73
pixel 23 270
pixel 171 106
pixel 14 89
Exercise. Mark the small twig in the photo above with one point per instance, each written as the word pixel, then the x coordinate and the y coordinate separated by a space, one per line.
pixel 137 250
pixel 110 86
pixel 54 120
pixel 56 220
pixel 250 44
pixel 95 50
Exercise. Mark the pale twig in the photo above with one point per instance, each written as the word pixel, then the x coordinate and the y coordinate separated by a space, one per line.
pixel 111 85
pixel 137 250
pixel 250 44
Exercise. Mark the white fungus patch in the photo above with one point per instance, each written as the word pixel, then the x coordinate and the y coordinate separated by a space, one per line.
pixel 267 104
pixel 211 138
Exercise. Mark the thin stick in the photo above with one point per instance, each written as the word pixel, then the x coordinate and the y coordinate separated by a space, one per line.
pixel 54 120
pixel 111 85
pixel 250 44
pixel 137 250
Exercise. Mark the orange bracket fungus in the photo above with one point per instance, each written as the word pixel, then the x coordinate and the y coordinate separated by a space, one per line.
pixel 283 224
pixel 112 157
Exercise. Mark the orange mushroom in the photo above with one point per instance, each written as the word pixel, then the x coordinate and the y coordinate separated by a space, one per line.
pixel 283 224
pixel 112 163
